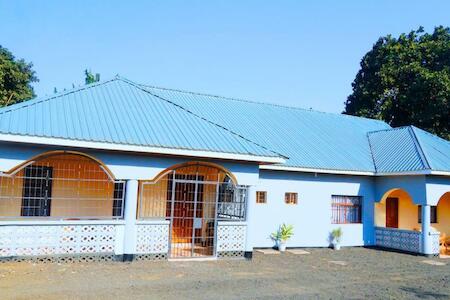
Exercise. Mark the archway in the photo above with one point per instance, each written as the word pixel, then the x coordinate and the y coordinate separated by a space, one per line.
pixel 397 210
pixel 193 197
pixel 62 185
pixel 443 222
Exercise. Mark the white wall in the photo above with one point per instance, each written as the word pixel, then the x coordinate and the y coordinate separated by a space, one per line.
pixel 311 217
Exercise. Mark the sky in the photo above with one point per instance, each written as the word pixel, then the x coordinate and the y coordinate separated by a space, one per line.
pixel 296 53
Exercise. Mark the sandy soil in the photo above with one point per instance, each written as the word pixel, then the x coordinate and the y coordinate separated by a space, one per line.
pixel 353 273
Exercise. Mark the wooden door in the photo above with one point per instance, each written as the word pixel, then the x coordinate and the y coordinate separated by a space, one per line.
pixel 392 212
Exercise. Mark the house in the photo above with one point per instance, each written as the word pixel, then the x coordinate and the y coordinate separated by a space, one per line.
pixel 120 170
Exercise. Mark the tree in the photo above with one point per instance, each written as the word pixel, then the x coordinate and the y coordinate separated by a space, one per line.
pixel 406 81
pixel 16 77
pixel 90 77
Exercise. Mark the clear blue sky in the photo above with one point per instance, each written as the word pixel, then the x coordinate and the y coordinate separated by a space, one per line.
pixel 299 53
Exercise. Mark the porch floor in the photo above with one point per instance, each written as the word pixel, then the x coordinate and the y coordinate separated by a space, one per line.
pixel 324 273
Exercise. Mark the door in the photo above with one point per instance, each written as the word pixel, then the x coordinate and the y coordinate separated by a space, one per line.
pixel 37 191
pixel 392 212
pixel 192 218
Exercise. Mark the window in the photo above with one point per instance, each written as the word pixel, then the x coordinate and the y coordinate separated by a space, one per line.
pixel 37 191
pixel 261 197
pixel 346 209
pixel 290 198
pixel 433 214
pixel 118 199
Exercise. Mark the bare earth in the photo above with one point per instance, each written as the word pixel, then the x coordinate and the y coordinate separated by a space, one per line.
pixel 353 273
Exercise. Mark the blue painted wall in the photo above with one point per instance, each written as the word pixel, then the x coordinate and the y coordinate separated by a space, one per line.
pixel 311 217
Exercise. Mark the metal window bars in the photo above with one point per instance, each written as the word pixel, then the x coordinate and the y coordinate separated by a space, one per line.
pixel 62 186
pixel 346 209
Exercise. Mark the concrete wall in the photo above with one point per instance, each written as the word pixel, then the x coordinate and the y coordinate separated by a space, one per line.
pixel 311 217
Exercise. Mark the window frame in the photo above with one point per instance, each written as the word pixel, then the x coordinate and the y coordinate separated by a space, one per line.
pixel 288 199
pixel 258 193
pixel 336 208
pixel 433 208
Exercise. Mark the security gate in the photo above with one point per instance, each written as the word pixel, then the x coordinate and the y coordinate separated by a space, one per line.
pixel 193 198
pixel 193 206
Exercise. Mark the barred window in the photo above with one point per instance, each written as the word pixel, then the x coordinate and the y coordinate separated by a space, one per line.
pixel 261 197
pixel 346 209
pixel 290 198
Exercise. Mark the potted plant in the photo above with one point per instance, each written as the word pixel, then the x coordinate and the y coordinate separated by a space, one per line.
pixel 336 236
pixel 284 233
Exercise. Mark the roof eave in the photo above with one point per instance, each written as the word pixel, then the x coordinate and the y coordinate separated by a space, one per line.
pixel 139 148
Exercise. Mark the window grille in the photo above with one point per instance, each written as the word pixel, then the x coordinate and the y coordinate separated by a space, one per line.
pixel 290 198
pixel 61 186
pixel 346 209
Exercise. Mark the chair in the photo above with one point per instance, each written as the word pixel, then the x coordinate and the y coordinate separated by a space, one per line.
pixel 444 242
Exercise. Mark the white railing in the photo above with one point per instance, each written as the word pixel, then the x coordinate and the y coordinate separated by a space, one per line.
pixel 152 237
pixel 60 238
pixel 231 236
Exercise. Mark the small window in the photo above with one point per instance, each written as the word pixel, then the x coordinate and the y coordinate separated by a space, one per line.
pixel 433 214
pixel 290 198
pixel 346 209
pixel 261 197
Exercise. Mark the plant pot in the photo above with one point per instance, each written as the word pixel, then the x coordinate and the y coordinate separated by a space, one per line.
pixel 336 246
pixel 281 246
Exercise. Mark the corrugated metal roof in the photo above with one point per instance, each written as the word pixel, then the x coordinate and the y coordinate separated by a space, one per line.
pixel 120 112
pixel 435 149
pixel 409 148
pixel 309 138
pixel 395 150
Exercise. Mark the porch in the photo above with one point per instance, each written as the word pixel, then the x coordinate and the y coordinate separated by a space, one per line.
pixel 66 205
pixel 404 225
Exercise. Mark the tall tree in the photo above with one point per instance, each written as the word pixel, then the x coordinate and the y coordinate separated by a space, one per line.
pixel 16 77
pixel 406 80
pixel 90 77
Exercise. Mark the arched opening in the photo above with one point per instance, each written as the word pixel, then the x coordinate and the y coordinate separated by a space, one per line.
pixel 61 185
pixel 443 223
pixel 193 197
pixel 397 210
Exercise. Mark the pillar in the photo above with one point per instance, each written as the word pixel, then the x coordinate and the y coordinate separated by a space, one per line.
pixel 131 196
pixel 249 214
pixel 426 228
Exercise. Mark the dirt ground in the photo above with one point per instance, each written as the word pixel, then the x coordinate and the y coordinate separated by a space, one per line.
pixel 352 273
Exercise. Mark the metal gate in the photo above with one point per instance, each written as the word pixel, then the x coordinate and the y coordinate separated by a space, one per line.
pixel 193 207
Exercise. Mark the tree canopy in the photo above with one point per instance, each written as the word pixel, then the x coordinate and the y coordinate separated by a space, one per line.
pixel 406 81
pixel 90 77
pixel 16 77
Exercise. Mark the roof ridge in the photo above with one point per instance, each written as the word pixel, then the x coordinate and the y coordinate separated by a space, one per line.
pixel 387 129
pixel 201 117
pixel 372 153
pixel 34 101
pixel 419 147
pixel 259 102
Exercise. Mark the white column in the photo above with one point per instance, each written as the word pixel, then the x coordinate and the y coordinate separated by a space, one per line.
pixel 131 198
pixel 426 238
pixel 249 213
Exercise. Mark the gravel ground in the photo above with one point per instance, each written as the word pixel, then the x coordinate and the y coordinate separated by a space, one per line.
pixel 352 273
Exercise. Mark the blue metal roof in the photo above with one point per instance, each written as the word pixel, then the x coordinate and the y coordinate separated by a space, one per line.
pixel 120 112
pixel 309 138
pixel 409 148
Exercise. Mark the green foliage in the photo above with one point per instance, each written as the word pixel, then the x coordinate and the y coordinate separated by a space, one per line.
pixel 283 233
pixel 406 81
pixel 16 77
pixel 337 234
pixel 90 77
